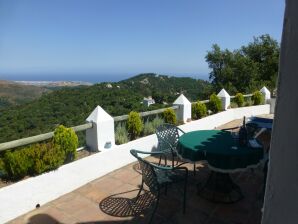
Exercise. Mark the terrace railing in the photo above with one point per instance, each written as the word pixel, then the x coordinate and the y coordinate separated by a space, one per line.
pixel 39 138
pixel 100 129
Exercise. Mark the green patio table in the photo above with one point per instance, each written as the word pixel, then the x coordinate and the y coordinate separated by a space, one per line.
pixel 221 151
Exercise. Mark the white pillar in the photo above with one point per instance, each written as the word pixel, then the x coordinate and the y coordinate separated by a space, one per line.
pixel 225 99
pixel 266 93
pixel 183 113
pixel 101 136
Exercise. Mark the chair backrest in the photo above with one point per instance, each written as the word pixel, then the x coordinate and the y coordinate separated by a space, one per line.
pixel 168 136
pixel 148 173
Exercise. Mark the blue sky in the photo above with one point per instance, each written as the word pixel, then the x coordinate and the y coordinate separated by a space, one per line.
pixel 76 39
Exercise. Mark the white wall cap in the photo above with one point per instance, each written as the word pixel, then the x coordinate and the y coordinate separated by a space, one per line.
pixel 99 114
pixel 181 100
pixel 223 93
pixel 265 90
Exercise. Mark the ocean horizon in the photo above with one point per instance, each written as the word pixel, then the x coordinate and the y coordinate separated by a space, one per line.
pixel 92 78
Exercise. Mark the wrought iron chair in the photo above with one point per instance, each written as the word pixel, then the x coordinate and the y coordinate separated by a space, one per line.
pixel 168 136
pixel 157 177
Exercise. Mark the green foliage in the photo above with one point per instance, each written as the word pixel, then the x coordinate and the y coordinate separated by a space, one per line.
pixel 121 134
pixel 38 158
pixel 150 126
pixel 257 98
pixel 67 140
pixel 170 116
pixel 2 168
pixel 239 99
pixel 32 160
pixel 248 102
pixel 134 124
pixel 214 103
pixel 233 104
pixel 245 69
pixel 198 110
pixel 16 164
pixel 156 122
pixel 51 157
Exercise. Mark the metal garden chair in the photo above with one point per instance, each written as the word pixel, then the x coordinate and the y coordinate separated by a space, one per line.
pixel 156 177
pixel 168 136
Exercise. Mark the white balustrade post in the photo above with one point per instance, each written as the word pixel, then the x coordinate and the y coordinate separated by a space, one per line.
pixel 101 136
pixel 225 99
pixel 183 113
pixel 266 93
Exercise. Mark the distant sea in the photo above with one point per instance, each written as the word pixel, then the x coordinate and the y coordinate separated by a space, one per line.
pixel 92 78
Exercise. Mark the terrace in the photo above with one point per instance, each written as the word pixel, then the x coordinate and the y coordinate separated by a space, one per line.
pixel 80 203
pixel 105 200
pixel 80 186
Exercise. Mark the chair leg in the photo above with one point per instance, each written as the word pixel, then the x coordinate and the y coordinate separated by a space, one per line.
pixel 154 209
pixel 159 160
pixel 141 188
pixel 184 193
pixel 194 169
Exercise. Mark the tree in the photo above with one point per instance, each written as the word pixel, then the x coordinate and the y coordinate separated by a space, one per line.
pixel 264 52
pixel 245 69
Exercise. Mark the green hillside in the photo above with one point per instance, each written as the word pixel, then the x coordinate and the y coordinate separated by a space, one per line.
pixel 71 106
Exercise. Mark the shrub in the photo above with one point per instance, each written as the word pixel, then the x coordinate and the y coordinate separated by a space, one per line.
pixel 233 105
pixel 16 164
pixel 248 102
pixel 239 99
pixel 32 160
pixel 148 128
pixel 134 124
pixel 170 116
pixel 67 140
pixel 198 110
pixel 51 157
pixel 214 103
pixel 121 134
pixel 156 122
pixel 1 166
pixel 257 98
pixel 38 158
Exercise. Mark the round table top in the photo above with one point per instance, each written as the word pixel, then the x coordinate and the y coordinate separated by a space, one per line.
pixel 219 148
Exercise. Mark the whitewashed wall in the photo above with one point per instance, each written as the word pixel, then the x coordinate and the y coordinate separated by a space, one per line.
pixel 281 197
pixel 23 196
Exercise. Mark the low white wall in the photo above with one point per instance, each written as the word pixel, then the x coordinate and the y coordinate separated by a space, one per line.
pixel 23 196
pixel 221 118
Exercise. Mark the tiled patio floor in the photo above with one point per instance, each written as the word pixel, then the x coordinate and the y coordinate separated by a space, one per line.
pixel 83 204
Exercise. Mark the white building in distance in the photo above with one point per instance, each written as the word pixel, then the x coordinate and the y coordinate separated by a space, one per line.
pixel 148 101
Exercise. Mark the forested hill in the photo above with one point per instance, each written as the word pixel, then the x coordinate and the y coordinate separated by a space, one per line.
pixel 71 106
pixel 166 88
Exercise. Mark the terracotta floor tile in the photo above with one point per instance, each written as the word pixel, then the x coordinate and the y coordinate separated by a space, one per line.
pixel 108 185
pixel 126 175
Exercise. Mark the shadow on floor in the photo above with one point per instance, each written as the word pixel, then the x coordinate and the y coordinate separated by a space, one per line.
pixel 43 218
pixel 119 206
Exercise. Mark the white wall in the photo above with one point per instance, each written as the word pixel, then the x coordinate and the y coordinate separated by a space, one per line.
pixel 221 118
pixel 22 197
pixel 281 197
